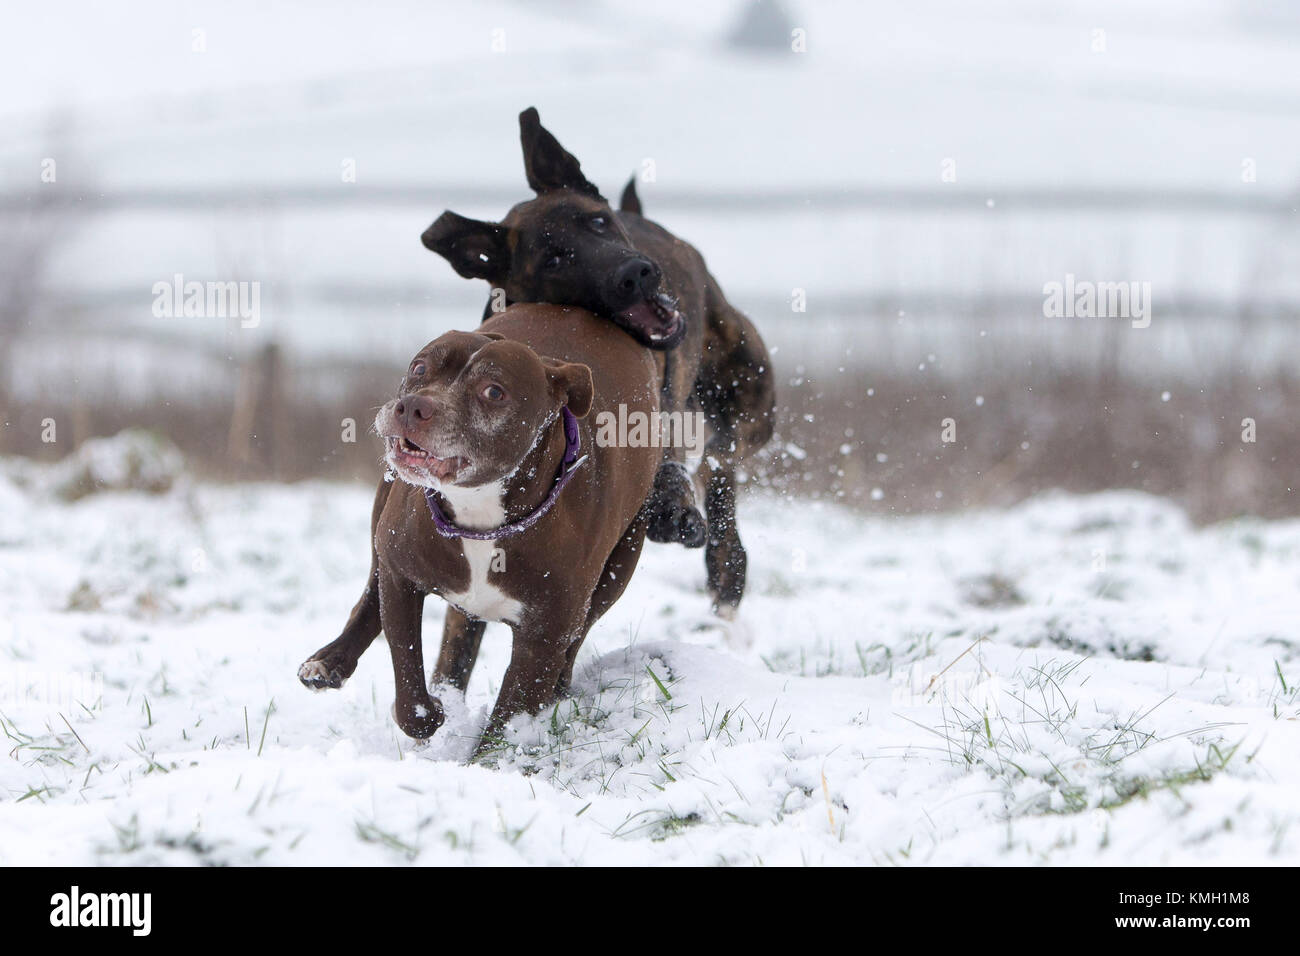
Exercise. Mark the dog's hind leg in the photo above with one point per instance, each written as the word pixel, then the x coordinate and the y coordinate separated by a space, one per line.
pixel 334 663
pixel 725 559
pixel 565 680
pixel 461 637
pixel 740 405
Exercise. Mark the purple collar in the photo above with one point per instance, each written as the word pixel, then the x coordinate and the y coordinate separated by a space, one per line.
pixel 573 443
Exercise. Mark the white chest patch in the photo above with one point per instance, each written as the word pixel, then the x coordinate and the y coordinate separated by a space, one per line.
pixel 479 509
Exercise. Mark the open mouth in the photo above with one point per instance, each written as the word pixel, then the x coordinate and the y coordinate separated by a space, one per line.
pixel 405 452
pixel 656 321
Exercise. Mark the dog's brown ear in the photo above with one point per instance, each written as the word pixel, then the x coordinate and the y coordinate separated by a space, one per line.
pixel 475 249
pixel 547 164
pixel 630 202
pixel 571 384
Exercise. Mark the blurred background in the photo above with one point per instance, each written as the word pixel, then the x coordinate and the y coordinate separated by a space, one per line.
pixel 912 174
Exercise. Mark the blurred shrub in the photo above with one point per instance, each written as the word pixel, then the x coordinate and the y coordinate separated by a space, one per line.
pixel 131 460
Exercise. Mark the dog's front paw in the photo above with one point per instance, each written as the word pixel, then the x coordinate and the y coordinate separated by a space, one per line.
pixel 421 719
pixel 317 675
pixel 692 529
pixel 674 519
pixel 676 525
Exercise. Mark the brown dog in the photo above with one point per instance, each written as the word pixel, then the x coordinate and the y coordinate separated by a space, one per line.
pixel 505 506
pixel 567 246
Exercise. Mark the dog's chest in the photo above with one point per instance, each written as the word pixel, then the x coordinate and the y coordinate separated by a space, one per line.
pixel 483 597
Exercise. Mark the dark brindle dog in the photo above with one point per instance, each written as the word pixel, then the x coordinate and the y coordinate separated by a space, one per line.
pixel 568 247
pixel 505 506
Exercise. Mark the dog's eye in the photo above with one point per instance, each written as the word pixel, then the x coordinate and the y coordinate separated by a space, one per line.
pixel 555 260
pixel 598 223
pixel 417 369
pixel 494 393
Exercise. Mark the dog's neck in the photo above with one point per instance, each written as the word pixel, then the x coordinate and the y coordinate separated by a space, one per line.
pixel 498 503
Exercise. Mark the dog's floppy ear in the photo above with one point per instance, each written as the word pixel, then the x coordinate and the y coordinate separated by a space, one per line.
pixel 571 385
pixel 475 249
pixel 630 202
pixel 546 163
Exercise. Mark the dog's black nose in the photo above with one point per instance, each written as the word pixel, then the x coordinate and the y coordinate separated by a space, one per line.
pixel 414 410
pixel 636 278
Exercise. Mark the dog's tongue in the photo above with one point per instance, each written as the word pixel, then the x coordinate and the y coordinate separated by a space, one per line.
pixel 643 317
pixel 440 468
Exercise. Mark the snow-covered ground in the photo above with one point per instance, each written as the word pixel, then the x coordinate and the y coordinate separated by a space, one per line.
pixel 1078 680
